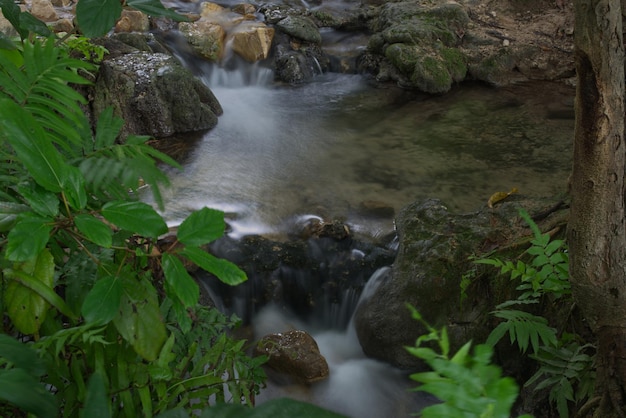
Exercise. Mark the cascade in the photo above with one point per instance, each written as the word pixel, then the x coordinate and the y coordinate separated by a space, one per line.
pixel 285 156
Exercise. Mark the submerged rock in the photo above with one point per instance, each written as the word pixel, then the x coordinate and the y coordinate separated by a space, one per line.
pixel 295 355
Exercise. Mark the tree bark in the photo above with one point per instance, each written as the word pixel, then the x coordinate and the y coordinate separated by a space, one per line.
pixel 596 232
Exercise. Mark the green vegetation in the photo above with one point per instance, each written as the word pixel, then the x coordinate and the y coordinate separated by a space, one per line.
pixel 565 363
pixel 101 319
pixel 468 385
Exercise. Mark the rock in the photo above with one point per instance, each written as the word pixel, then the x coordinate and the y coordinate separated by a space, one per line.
pixel 206 38
pixel 61 3
pixel 63 25
pixel 154 95
pixel 44 10
pixel 253 42
pixel 300 27
pixel 422 43
pixel 294 354
pixel 132 21
pixel 434 246
pixel 245 9
pixel 208 9
pixel 431 70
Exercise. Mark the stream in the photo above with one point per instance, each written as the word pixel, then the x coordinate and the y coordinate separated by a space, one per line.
pixel 283 155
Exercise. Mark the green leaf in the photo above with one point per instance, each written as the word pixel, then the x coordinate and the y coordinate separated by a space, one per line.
pixel 103 300
pixel 94 230
pixel 139 321
pixel 180 283
pixel 108 128
pixel 27 308
pixel 43 202
pixel 32 146
pixel 21 355
pixel 24 391
pixel 97 17
pixel 137 217
pixel 155 8
pixel 32 24
pixel 226 271
pixel 97 404
pixel 28 237
pixel 74 188
pixel 9 212
pixel 201 227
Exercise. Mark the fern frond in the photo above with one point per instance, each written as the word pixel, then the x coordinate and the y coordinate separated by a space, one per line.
pixel 524 328
pixel 43 87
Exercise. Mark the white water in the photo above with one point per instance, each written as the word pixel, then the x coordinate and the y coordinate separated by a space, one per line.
pixel 357 386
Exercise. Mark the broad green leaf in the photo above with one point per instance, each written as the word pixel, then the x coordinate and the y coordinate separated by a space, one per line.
pixel 97 403
pixel 27 308
pixel 28 237
pixel 155 8
pixel 137 217
pixel 32 146
pixel 97 17
pixel 12 12
pixel 41 289
pixel 21 355
pixel 201 227
pixel 6 42
pixel 9 212
pixel 19 388
pixel 32 24
pixel 42 201
pixel 94 230
pixel 139 320
pixel 103 301
pixel 179 282
pixel 226 271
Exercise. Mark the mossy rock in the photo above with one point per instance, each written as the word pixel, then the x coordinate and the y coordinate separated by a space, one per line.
pixel 432 70
pixel 300 27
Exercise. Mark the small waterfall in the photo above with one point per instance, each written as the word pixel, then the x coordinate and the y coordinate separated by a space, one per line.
pixel 357 386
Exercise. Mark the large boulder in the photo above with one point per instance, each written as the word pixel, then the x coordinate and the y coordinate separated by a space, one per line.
pixel 421 41
pixel 154 95
pixel 433 255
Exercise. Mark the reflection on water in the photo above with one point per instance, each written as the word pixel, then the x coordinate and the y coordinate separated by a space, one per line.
pixel 325 148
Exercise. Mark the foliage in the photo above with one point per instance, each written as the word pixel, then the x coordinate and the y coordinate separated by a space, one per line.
pixel 96 17
pixel 563 368
pixel 99 311
pixel 564 364
pixel 467 383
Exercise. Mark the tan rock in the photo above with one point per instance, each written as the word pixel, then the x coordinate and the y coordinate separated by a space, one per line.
pixel 253 42
pixel 294 354
pixel 44 10
pixel 61 3
pixel 63 25
pixel 244 9
pixel 207 9
pixel 206 38
pixel 132 21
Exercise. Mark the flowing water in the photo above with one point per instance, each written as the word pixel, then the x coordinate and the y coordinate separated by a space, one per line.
pixel 325 149
pixel 283 154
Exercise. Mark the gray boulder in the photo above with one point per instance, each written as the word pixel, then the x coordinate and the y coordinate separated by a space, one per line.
pixel 433 255
pixel 155 95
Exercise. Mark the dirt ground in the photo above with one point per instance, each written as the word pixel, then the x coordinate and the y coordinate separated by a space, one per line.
pixel 546 24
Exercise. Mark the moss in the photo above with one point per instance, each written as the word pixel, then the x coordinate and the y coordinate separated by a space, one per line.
pixel 431 75
pixel 455 62
pixel 403 57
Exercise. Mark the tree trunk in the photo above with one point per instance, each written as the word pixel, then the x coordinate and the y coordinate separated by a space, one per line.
pixel 596 232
